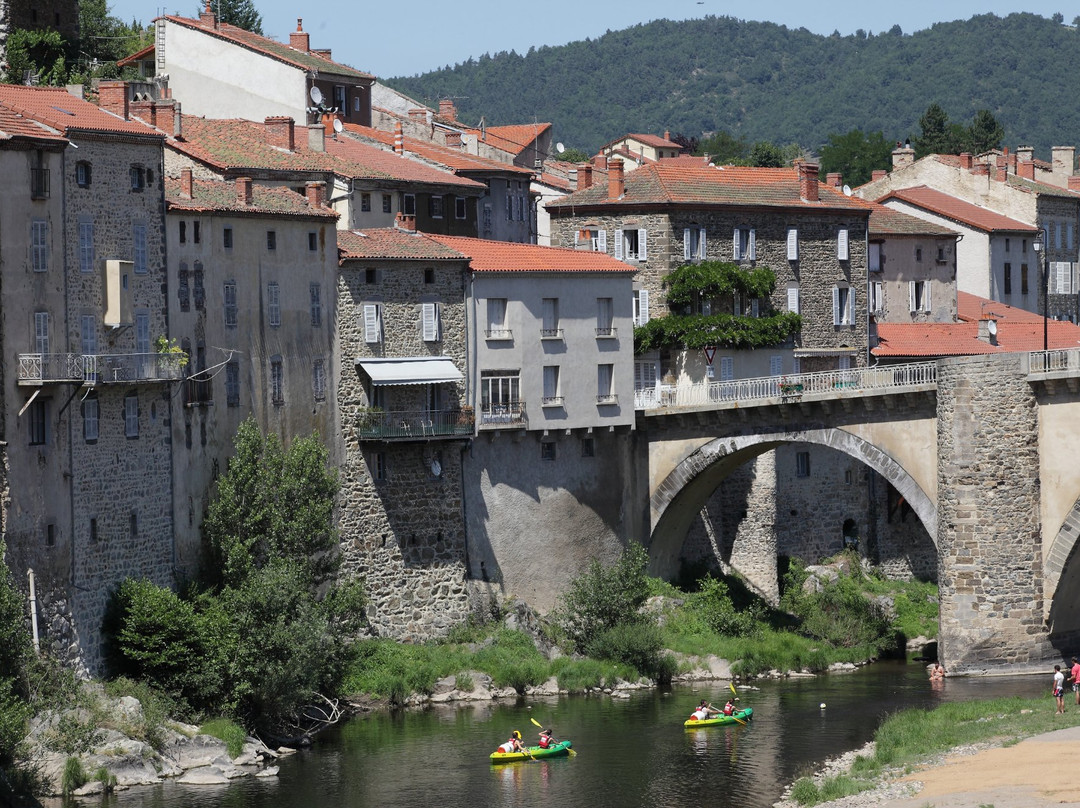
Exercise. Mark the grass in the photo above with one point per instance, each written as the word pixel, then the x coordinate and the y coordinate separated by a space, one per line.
pixel 225 730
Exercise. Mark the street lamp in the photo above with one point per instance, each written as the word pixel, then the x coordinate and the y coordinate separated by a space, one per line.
pixel 1041 244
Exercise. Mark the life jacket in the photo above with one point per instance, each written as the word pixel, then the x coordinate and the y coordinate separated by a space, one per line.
pixel 545 741
pixel 506 747
pixel 729 709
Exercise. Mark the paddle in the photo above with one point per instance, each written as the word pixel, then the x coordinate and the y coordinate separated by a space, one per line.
pixel 735 692
pixel 569 751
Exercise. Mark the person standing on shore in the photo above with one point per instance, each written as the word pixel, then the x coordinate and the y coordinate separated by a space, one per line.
pixel 1074 677
pixel 1059 690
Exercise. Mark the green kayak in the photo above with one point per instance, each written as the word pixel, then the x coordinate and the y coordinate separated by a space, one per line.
pixel 561 749
pixel 739 717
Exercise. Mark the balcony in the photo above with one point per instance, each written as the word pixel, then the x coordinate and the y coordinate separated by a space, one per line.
pixel 552 401
pixel 551 333
pixel 403 425
pixel 36 369
pixel 610 398
pixel 499 334
pixel 606 333
pixel 509 415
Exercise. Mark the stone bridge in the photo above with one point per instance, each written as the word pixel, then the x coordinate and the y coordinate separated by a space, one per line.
pixel 984 449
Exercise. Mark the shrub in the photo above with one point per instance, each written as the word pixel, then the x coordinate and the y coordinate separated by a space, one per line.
pixel 229 731
pixel 602 598
pixel 714 607
pixel 73 777
pixel 156 709
pixel 639 645
pixel 464 683
pixel 512 661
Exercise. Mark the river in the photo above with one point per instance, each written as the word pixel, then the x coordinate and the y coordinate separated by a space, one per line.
pixel 632 752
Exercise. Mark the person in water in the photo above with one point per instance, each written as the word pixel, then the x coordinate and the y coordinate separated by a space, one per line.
pixel 547 740
pixel 704 711
pixel 513 744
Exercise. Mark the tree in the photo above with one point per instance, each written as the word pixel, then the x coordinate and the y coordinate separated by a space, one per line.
pixel 765 154
pixel 985 133
pixel 935 137
pixel 723 148
pixel 241 13
pixel 856 155
pixel 103 37
pixel 573 156
pixel 38 53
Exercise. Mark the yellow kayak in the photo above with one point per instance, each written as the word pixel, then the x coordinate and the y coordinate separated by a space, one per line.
pixel 739 716
pixel 561 749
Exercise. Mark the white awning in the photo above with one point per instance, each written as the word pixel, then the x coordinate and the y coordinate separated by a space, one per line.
pixel 410 370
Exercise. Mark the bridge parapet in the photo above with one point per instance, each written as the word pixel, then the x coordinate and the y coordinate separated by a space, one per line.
pixel 734 393
pixel 1053 364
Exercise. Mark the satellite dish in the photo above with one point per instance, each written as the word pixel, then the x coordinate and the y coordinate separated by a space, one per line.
pixel 992 327
pixel 560 148
pixel 847 190
pixel 337 125
pixel 316 95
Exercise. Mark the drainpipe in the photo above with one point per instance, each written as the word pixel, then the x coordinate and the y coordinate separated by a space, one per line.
pixel 33 611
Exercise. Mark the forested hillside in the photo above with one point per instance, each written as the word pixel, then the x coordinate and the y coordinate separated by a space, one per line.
pixel 761 81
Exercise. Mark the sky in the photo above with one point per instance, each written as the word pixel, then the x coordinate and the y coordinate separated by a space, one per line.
pixel 404 37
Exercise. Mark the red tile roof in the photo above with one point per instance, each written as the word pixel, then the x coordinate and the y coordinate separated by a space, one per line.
pixel 135 57
pixel 57 108
pixel 512 139
pixel 502 256
pixel 694 182
pixel 958 211
pixel 885 221
pixel 961 339
pixel 272 48
pixel 972 308
pixel 15 125
pixel 656 141
pixel 237 144
pixel 456 160
pixel 220 196
pixel 392 243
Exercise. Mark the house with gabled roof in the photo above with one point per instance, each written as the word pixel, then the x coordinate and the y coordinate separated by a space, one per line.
pixel 218 70
pixel 638 149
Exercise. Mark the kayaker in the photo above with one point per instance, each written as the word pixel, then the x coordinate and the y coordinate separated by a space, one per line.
pixel 547 740
pixel 513 744
pixel 704 710
pixel 729 708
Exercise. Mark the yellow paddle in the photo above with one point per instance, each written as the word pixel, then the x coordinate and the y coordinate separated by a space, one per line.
pixel 734 692
pixel 570 751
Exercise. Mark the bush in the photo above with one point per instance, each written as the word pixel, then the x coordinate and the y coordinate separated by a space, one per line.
pixel 639 645
pixel 602 598
pixel 73 777
pixel 229 731
pixel 512 661
pixel 156 709
pixel 713 606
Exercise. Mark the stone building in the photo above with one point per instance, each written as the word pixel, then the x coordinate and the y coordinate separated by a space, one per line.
pixel 88 400
pixel 252 299
pixel 61 16
pixel 636 150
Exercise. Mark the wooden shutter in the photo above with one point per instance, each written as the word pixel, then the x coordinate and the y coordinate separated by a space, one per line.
pixel 926 296
pixel 618 245
pixel 430 321
pixel 601 241
pixel 686 244
pixel 727 370
pixel 371 322
pixel 911 295
pixel 643 306
pixel 842 244
pixel 792 244
pixel 642 244
pixel 836 305
pixel 735 246
pixel 793 299
pixel 701 244
pixel 851 305
pixel 751 251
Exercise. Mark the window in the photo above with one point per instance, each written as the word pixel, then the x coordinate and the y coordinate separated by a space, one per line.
pixel 380 470
pixel 874 259
pixel 372 322
pixel 435 206
pixel 605 378
pixel 271 240
pixel 843 303
pixel 93 530
pixel 1069 236
pixel 387 203
pixel 499 391
pixel 877 296
pixel 230 304
pixel 1007 241
pixel 1008 278
pixel 371 275
pixel 727 368
pixel 744 244
pixel 843 362
pixel 645 373
pixel 918 254
pixel 88 334
pixel 226 238
pixel 365 203
pixel 693 243
pixel 137 177
pixel 142 332
pixel 430 322
pixel 776 365
pixel 131 416
pixel 133 525
pixel 1023 279
pixel 941 254
pixel 340 100
pixel 138 238
pixel 232 384
pixel 460 210
pixel 496 317
pixel 1061 277
pixel 408 205
pixel 549 327
pixel 39 422
pixel 1057 235
pixel 183 290
pixel 793 299
pixel 547 450
pixel 41 332
pixel 631 245
pixel 792 244
pixel 86 246
pixel 552 397
pixel 273 304
pixel 919 296
pixel 591 239
pixel 588 447
pixel 315 295
pixel 641 306
pixel 842 251
pixel 183 232
pixel 313 242
pixel 802 464
pixel 604 317
pixel 90 419
pixel 277 381
pixel 509 207
pixel 50 534
pixel 318 380
pixel 39 245
pixel 429 276
pixel 82 174
pixel 195 231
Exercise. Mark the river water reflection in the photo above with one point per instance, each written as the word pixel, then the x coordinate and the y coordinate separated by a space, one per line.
pixel 631 752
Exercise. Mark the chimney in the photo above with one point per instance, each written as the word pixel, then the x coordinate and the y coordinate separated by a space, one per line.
pixel 399 139
pixel 187 185
pixel 243 190
pixel 143 110
pixel 1001 170
pixel 834 179
pixel 980 169
pixel 418 114
pixel 987 333
pixel 584 176
pixel 279 132
pixel 808 181
pixel 600 161
pixel 1025 153
pixel 615 184
pixel 404 222
pixel 878 174
pixel 177 122
pixel 1063 159
pixel 1025 168
pixel 113 97
pixel 208 17
pixel 316 137
pixel 315 193
pixel 965 160
pixel 298 40
pixel 447 109
pixel 323 52
pixel 453 139
pixel 902 156
pixel 667 134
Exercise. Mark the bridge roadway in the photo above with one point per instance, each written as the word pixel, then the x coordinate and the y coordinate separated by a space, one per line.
pixel 982 448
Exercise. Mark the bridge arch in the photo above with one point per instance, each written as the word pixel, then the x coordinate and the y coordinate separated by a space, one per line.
pixel 1061 579
pixel 677 500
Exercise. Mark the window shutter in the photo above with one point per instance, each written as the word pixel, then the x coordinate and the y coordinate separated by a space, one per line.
pixel 926 297
pixel 842 244
pixel 793 299
pixel 601 241
pixel 776 365
pixel 875 257
pixel 911 295
pixel 642 244
pixel 577 238
pixel 851 305
pixel 701 244
pixel 430 322
pixel 371 322
pixel 735 246
pixel 751 252
pixel 792 244
pixel 618 245
pixel 643 306
pixel 727 371
pixel 836 305
pixel 686 244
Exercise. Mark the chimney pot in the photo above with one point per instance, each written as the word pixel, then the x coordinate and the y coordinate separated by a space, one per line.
pixel 299 40
pixel 834 179
pixel 243 190
pixel 208 17
pixel 187 184
pixel 405 222
pixel 808 181
pixel 616 185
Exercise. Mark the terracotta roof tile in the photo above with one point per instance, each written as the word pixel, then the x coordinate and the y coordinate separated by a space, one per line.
pixel 392 244
pixel 958 210
pixel 135 57
pixel 885 221
pixel 962 339
pixel 971 308
pixel 512 139
pixel 16 125
pixel 217 195
pixel 456 160
pixel 60 110
pixel 272 48
pixel 502 256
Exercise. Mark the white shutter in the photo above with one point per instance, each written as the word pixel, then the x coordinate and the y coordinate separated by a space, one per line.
pixel 735 246
pixel 577 238
pixel 430 321
pixel 842 244
pixel 371 322
pixel 643 306
pixel 836 305
pixel 701 244
pixel 776 365
pixel 793 299
pixel 727 370
pixel 911 295
pixel 792 244
pixel 601 241
pixel 618 245
pixel 751 252
pixel 642 244
pixel 851 305
pixel 875 257
pixel 926 297
pixel 686 244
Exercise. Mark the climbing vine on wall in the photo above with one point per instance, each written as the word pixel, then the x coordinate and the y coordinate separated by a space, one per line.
pixel 712 279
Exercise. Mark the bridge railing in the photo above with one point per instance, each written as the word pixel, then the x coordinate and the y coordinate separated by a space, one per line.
pixel 789 387
pixel 1050 361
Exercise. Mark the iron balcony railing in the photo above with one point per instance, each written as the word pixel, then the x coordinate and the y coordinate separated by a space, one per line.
pixel 787 387
pixel 92 369
pixel 414 424
pixel 510 414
